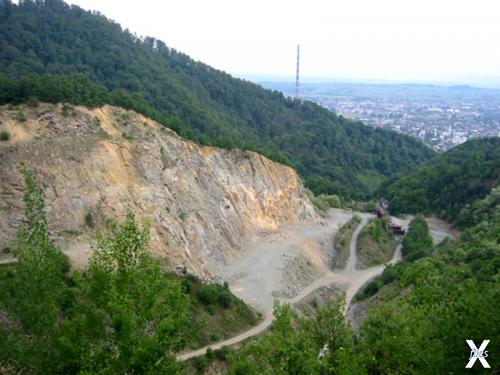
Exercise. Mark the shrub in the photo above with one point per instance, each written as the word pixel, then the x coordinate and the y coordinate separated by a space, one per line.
pixel 33 102
pixel 210 310
pixel 224 299
pixel 207 294
pixel 214 337
pixel 214 294
pixel 21 116
pixel 222 353
pixel 210 354
pixel 4 136
pixel 67 110
pixel 89 220
pixel 389 275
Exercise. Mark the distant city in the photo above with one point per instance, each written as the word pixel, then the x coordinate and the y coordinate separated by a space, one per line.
pixel 441 116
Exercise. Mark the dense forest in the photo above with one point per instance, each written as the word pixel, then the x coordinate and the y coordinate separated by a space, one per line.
pixel 450 182
pixel 334 155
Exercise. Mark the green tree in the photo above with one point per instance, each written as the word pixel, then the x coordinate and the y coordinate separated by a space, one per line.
pixel 38 284
pixel 418 241
pixel 143 311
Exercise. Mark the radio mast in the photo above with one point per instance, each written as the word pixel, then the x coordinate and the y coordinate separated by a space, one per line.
pixel 297 75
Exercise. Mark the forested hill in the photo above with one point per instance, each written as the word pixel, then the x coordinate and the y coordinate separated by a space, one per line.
pixel 450 182
pixel 334 155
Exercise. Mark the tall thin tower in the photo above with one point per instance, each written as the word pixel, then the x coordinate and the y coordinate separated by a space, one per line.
pixel 297 86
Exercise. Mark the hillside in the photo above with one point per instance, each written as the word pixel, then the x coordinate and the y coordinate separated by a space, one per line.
pixel 333 155
pixel 449 182
pixel 94 164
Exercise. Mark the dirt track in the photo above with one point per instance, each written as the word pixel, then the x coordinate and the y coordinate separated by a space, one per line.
pixel 350 277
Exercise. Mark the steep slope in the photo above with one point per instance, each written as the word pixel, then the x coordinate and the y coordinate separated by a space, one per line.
pixel 333 155
pixel 94 164
pixel 449 182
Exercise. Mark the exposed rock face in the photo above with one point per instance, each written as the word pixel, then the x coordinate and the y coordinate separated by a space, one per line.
pixel 201 202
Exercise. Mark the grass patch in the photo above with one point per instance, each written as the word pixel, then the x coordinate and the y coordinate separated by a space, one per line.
pixel 218 313
pixel 128 137
pixel 72 232
pixel 375 245
pixel 342 241
pixel 103 134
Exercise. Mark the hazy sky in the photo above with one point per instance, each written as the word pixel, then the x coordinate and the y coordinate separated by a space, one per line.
pixel 391 39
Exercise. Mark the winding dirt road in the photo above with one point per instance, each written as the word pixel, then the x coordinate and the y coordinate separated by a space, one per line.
pixel 352 278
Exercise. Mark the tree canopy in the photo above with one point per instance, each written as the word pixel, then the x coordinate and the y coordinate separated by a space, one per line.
pixel 449 182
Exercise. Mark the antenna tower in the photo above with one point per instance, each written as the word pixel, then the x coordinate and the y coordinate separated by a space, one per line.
pixel 297 75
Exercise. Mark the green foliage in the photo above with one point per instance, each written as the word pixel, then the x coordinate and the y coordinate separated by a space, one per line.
pixel 435 304
pixel 481 210
pixel 47 38
pixel 294 344
pixel 418 241
pixel 123 315
pixel 216 311
pixel 143 311
pixel 418 324
pixel 182 215
pixel 449 182
pixel 89 220
pixel 212 294
pixel 36 285
pixel 4 136
pixel 342 242
pixel 375 243
pixel 323 202
pixel 21 116
pixel 67 110
pixel 388 276
pixel 128 137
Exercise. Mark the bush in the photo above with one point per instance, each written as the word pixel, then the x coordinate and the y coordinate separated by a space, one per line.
pixel 67 110
pixel 210 354
pixel 21 116
pixel 207 294
pixel 89 220
pixel 214 337
pixel 211 310
pixel 224 299
pixel 323 202
pixel 4 136
pixel 33 102
pixel 214 294
pixel 389 275
pixel 222 353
